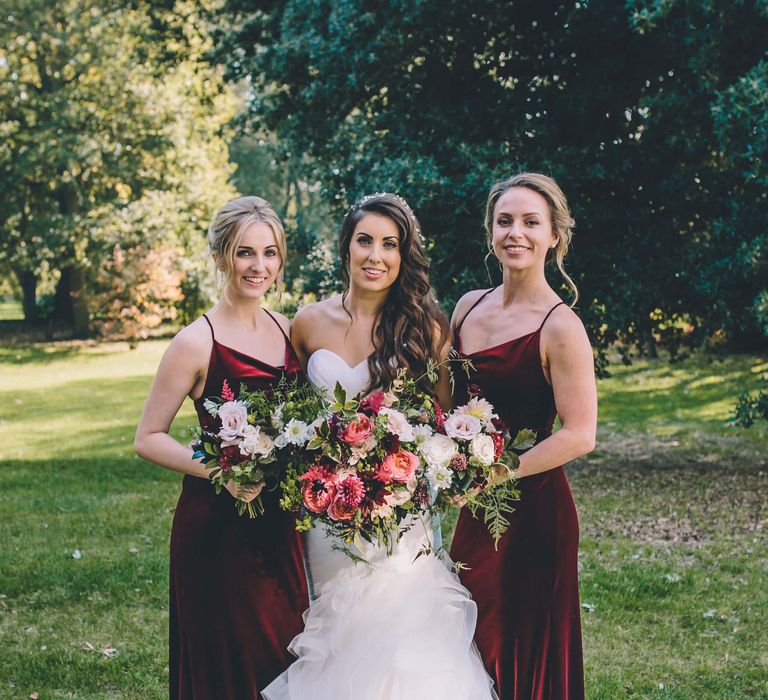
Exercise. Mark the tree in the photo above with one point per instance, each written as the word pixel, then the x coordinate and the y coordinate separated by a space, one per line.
pixel 103 103
pixel 618 101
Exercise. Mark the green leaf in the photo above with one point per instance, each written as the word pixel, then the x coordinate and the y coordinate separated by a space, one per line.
pixel 525 439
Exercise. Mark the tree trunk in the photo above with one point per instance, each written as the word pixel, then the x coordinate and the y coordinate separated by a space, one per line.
pixel 71 300
pixel 28 282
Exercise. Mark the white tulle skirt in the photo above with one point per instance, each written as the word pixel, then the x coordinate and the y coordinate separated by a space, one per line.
pixel 392 629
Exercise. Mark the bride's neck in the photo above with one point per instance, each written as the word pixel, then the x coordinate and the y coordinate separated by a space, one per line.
pixel 364 304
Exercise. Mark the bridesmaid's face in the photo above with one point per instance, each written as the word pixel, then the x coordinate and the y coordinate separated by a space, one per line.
pixel 256 262
pixel 374 253
pixel 522 228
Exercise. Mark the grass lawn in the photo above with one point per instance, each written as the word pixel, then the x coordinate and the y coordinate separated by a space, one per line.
pixel 10 310
pixel 673 510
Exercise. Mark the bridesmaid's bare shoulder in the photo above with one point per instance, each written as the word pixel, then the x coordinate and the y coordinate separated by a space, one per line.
pixel 464 304
pixel 564 330
pixel 190 349
pixel 283 320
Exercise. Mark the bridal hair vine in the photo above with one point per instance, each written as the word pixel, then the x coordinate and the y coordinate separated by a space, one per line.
pixel 368 197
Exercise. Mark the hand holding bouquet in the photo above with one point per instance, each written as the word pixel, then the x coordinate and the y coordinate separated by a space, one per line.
pixel 250 441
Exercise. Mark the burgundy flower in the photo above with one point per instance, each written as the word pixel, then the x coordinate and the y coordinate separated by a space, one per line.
pixel 500 425
pixel 473 390
pixel 231 456
pixel 391 443
pixel 421 495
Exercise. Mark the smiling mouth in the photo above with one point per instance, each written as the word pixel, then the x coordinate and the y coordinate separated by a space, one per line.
pixel 516 248
pixel 255 280
pixel 373 271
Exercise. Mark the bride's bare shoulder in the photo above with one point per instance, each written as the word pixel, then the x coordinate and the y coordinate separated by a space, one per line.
pixel 326 310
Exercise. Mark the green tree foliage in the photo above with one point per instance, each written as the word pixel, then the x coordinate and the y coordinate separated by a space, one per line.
pixel 650 114
pixel 105 109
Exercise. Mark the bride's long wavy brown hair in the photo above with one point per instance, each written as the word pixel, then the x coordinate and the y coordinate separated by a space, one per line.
pixel 410 328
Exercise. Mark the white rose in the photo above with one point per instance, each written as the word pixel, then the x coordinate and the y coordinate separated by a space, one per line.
pixel 255 442
pixel 438 450
pixel 439 477
pixel 479 408
pixel 482 450
pixel 462 427
pixel 398 424
pixel 397 498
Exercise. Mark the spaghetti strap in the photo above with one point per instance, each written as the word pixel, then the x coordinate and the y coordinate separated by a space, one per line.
pixel 471 308
pixel 288 346
pixel 210 325
pixel 549 313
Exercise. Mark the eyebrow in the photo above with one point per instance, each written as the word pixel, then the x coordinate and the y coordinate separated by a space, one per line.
pixel 530 213
pixel 386 238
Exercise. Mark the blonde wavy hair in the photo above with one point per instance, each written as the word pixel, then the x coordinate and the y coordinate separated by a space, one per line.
pixel 226 233
pixel 559 214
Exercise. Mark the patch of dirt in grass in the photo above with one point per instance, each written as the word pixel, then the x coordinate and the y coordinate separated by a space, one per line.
pixel 654 491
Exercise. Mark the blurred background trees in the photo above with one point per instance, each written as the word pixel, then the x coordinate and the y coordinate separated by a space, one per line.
pixel 126 123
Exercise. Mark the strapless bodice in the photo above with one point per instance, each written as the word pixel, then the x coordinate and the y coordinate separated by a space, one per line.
pixel 325 368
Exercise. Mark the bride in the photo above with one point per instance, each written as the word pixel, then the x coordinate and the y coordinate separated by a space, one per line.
pixel 396 627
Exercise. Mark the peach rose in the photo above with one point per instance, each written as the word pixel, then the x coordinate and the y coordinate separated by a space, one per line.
pixel 338 510
pixel 398 466
pixel 356 431
pixel 318 495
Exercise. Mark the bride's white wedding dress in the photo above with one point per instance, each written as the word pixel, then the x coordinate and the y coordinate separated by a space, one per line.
pixel 397 628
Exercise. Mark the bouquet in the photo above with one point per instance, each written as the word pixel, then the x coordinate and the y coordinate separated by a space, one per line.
pixel 375 460
pixel 473 459
pixel 362 475
pixel 250 441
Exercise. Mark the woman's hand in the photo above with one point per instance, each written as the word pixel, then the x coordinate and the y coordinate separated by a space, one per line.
pixel 245 493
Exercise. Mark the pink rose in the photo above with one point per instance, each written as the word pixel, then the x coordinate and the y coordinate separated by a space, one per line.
pixel 318 495
pixel 398 466
pixel 356 431
pixel 339 510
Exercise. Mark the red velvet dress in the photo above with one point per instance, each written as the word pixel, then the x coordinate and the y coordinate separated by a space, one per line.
pixel 237 585
pixel 527 593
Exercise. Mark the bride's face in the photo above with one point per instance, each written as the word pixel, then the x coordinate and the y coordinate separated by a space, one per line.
pixel 374 253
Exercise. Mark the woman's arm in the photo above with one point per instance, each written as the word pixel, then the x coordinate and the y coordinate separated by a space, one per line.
pixel 571 367
pixel 443 385
pixel 300 332
pixel 181 369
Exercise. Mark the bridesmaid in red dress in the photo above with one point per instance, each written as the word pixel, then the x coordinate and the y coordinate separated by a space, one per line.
pixel 533 361
pixel 237 585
